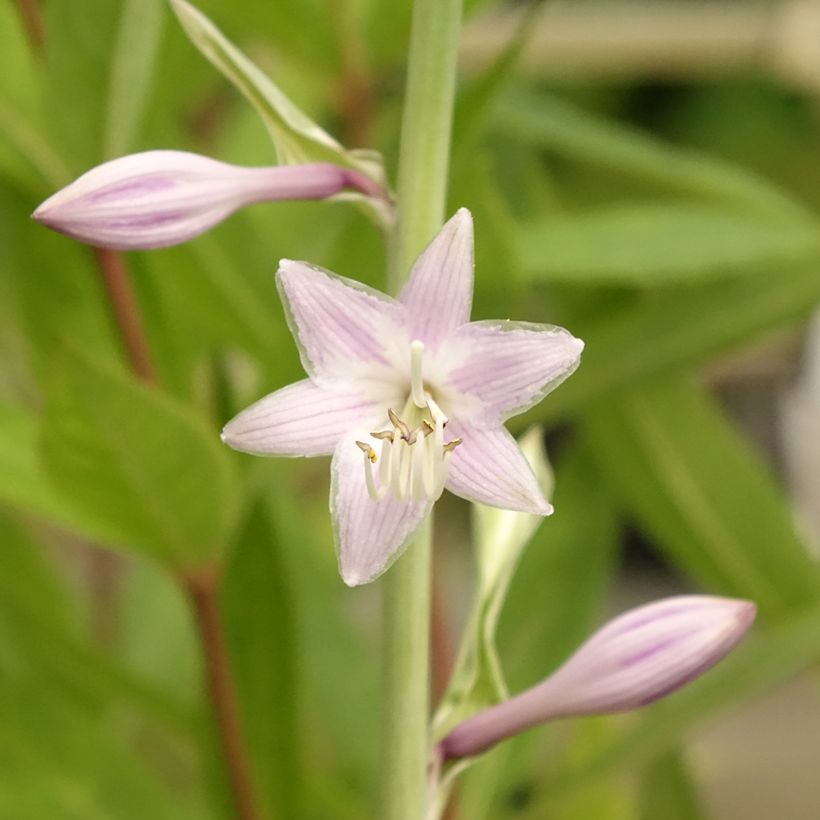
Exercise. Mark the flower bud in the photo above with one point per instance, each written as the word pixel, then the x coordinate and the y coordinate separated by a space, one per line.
pixel 161 198
pixel 635 659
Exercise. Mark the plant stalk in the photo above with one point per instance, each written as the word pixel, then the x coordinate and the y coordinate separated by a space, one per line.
pixel 422 186
pixel 126 314
pixel 202 589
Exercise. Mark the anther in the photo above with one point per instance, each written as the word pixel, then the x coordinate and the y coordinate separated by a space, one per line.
pixel 451 445
pixel 368 451
pixel 403 429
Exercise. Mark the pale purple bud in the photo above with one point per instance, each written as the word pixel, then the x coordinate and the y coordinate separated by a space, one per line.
pixel 161 198
pixel 635 659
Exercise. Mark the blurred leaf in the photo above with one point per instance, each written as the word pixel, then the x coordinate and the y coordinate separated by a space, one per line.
pixel 77 60
pixel 132 73
pixel 297 138
pixel 23 483
pixel 259 616
pixel 477 96
pixel 64 763
pixel 671 330
pixel 578 134
pixel 658 244
pixel 335 635
pixel 667 790
pixel 44 629
pixel 148 468
pixel 702 494
pixel 766 659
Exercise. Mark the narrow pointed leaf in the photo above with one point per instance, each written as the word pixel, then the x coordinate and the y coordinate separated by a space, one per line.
pixel 703 495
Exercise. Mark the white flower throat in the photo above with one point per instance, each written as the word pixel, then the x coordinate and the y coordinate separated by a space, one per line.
pixel 414 456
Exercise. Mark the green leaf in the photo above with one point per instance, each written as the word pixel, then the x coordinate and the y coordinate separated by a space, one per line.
pixel 143 464
pixel 671 330
pixel 133 67
pixel 702 494
pixel 559 126
pixel 296 137
pixel 25 485
pixel 667 790
pixel 260 619
pixel 38 613
pixel 659 244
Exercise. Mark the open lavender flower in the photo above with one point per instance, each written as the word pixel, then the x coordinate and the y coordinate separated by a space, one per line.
pixel 408 396
pixel 160 198
pixel 635 659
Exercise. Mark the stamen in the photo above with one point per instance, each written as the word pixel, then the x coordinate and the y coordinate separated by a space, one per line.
pixel 412 463
pixel 416 380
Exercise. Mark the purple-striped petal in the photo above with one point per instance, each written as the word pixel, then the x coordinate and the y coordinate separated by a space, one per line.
pixel 509 366
pixel 369 534
pixel 439 291
pixel 488 467
pixel 301 419
pixel 155 199
pixel 344 329
pixel 635 659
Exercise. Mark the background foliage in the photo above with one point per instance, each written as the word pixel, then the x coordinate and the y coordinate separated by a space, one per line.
pixel 671 225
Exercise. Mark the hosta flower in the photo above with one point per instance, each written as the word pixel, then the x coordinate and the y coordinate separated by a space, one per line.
pixel 409 397
pixel 637 658
pixel 160 198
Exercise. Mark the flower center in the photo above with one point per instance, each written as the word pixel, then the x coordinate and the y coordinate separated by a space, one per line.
pixel 414 456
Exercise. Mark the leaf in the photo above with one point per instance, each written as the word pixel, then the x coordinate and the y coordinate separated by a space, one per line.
pixel 671 330
pixel 296 137
pixel 562 127
pixel 140 462
pixel 667 790
pixel 660 244
pixel 702 494
pixel 132 72
pixel 36 609
pixel 259 615
pixel 23 482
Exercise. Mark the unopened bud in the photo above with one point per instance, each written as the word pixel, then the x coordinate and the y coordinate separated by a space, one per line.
pixel 161 198
pixel 635 659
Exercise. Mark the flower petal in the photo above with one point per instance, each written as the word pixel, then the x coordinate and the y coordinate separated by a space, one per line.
pixel 509 366
pixel 301 419
pixel 439 291
pixel 343 328
pixel 488 467
pixel 369 534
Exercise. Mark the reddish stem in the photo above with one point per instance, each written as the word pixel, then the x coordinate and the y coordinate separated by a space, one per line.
pixel 202 590
pixel 125 312
pixel 32 19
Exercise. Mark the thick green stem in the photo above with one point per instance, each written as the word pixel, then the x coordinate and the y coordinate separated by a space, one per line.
pixel 406 675
pixel 422 187
pixel 425 136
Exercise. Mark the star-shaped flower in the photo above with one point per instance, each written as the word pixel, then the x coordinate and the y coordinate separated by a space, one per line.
pixel 409 397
